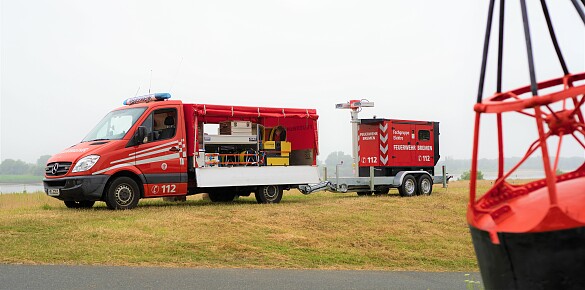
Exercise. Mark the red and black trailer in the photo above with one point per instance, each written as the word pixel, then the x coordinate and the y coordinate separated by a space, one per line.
pixel 388 153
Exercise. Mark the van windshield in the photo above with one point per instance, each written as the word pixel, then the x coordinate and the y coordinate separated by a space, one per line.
pixel 114 125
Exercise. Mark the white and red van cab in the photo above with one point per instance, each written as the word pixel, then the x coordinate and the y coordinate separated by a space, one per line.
pixel 155 147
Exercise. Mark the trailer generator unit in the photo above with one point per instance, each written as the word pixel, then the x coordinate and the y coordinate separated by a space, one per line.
pixel 391 146
pixel 387 153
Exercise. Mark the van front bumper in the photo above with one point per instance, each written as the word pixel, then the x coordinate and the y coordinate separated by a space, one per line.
pixel 76 188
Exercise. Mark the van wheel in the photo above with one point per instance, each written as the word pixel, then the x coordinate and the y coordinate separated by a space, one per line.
pixel 123 193
pixel 79 204
pixel 408 187
pixel 221 197
pixel 269 194
pixel 425 185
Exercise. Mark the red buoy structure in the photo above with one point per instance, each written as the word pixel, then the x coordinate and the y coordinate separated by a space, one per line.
pixel 532 235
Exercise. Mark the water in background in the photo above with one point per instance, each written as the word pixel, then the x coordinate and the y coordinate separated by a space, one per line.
pixel 6 188
pixel 519 174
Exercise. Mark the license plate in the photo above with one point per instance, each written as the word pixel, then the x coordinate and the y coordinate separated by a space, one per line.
pixel 54 192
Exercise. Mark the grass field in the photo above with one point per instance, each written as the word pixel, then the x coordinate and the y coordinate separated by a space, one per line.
pixel 20 179
pixel 324 231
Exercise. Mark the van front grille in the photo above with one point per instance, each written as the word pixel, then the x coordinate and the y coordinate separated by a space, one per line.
pixel 57 168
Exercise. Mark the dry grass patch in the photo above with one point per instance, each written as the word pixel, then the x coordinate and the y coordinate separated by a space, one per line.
pixel 324 230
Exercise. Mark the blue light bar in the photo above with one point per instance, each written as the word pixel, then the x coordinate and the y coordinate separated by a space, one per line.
pixel 147 98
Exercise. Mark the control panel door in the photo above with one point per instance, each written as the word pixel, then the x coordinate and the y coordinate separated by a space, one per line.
pixel 402 144
pixel 424 146
pixel 368 145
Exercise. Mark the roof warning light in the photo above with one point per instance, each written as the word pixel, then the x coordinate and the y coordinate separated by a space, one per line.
pixel 147 98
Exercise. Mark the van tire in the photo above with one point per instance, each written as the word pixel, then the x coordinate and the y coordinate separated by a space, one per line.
pixel 425 185
pixel 408 187
pixel 123 193
pixel 269 194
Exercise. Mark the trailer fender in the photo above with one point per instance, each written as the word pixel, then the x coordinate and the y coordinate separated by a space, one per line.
pixel 399 177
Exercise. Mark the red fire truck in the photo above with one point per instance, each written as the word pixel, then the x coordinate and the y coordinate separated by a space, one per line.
pixel 154 147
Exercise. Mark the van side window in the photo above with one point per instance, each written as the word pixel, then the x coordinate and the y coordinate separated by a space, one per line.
pixel 160 125
pixel 424 135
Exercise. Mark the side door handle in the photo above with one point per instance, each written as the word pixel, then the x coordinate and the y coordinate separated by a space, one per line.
pixel 174 149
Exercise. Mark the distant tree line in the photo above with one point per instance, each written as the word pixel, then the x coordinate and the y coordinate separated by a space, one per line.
pixel 467 175
pixel 19 167
pixel 339 160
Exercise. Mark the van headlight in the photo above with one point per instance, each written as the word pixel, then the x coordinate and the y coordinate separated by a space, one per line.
pixel 86 163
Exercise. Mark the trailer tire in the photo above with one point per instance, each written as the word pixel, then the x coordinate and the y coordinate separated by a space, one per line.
pixel 408 187
pixel 221 197
pixel 269 194
pixel 425 185
pixel 79 204
pixel 123 193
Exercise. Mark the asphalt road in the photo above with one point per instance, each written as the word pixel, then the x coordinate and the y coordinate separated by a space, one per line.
pixel 103 277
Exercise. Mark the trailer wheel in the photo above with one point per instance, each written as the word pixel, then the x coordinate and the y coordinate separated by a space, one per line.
pixel 123 193
pixel 79 204
pixel 425 185
pixel 408 187
pixel 221 197
pixel 269 194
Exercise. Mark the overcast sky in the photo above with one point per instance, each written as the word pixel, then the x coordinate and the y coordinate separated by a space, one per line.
pixel 65 64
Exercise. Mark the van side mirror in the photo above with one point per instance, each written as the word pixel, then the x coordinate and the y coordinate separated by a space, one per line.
pixel 139 135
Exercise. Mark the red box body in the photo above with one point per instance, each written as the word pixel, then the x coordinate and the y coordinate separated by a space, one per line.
pixel 397 145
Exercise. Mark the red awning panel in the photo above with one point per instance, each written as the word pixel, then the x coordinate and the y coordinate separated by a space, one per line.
pixel 301 124
pixel 253 112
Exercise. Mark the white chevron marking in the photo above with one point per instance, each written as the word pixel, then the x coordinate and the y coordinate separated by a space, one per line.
pixel 384 128
pixel 384 138
pixel 384 149
pixel 384 160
